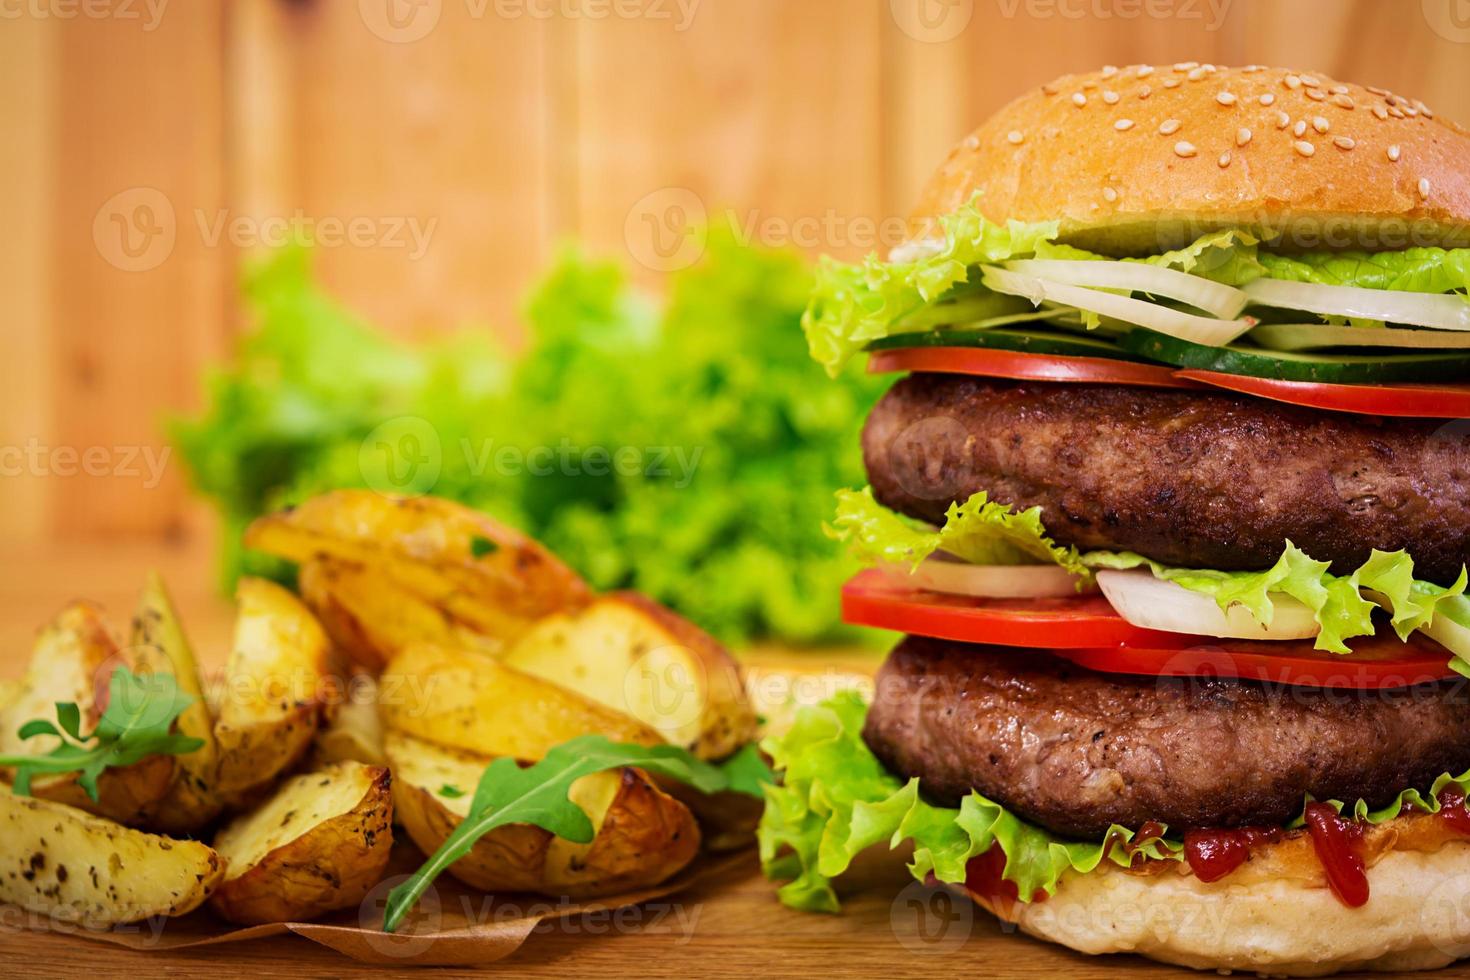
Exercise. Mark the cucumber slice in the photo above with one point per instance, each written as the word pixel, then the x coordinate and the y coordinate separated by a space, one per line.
pixel 1027 342
pixel 1314 336
pixel 1291 366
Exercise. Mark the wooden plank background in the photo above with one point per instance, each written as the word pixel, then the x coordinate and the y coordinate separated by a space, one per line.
pixel 500 128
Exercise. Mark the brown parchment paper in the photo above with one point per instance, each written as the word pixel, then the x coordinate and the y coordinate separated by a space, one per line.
pixel 453 926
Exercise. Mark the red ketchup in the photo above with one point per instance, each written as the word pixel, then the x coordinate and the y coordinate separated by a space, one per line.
pixel 984 879
pixel 1452 809
pixel 1150 830
pixel 1338 844
pixel 1213 854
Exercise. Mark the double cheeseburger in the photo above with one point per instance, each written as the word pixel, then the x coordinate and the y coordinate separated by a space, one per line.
pixel 1172 501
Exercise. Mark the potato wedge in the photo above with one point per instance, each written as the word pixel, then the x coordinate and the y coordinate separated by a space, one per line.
pixel 354 733
pixel 73 660
pixel 56 860
pixel 320 843
pixel 371 618
pixel 463 701
pixel 637 657
pixel 479 572
pixel 159 646
pixel 644 836
pixel 278 675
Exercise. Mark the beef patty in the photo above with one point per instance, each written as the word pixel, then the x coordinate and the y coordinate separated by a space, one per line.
pixel 1194 479
pixel 1075 751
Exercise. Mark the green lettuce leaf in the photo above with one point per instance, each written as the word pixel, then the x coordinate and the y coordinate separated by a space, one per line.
pixel 852 304
pixel 978 531
pixel 835 800
pixel 1415 270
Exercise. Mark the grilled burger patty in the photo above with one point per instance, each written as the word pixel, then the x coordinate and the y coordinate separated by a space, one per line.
pixel 1194 479
pixel 1076 751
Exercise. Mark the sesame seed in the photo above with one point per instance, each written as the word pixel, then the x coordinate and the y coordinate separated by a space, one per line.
pixel 1320 124
pixel 1344 142
pixel 1196 74
pixel 1242 136
pixel 1396 112
pixel 1049 89
pixel 1109 195
pixel 1377 91
pixel 1309 81
pixel 1315 94
pixel 1304 148
pixel 972 142
pixel 1300 128
pixel 1145 92
pixel 1293 82
pixel 1014 137
pixel 1380 112
pixel 1168 127
pixel 1109 71
pixel 1122 125
pixel 1186 65
pixel 1339 90
pixel 1078 99
pixel 1424 188
pixel 1344 101
pixel 1225 98
pixel 1393 153
pixel 1171 83
pixel 1424 109
pixel 1145 70
pixel 1250 69
pixel 1267 98
pixel 1282 119
pixel 1410 111
pixel 1225 159
pixel 1110 97
pixel 1184 148
pixel 1091 83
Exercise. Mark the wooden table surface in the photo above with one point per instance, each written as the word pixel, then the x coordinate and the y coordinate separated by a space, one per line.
pixel 733 926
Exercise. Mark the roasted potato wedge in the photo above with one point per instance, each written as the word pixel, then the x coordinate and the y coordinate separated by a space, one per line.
pixel 320 843
pixel 73 660
pixel 479 572
pixel 56 860
pixel 277 678
pixel 354 733
pixel 644 836
pixel 159 646
pixel 463 701
pixel 637 657
pixel 370 617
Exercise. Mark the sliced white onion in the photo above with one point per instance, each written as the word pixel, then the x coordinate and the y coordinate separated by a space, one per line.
pixel 1449 634
pixel 1442 311
pixel 1313 336
pixel 1223 301
pixel 1152 603
pixel 1204 330
pixel 916 249
pixel 986 581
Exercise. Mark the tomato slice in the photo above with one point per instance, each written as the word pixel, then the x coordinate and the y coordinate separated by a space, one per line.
pixel 1432 401
pixel 1022 366
pixel 871 598
pixel 1087 631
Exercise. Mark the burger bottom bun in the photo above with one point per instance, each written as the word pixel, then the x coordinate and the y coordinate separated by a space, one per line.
pixel 1417 918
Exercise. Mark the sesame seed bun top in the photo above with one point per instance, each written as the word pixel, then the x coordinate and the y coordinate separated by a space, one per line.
pixel 1149 157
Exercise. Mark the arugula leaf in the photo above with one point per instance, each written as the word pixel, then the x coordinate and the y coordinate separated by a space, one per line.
pixel 538 795
pixel 138 722
pixel 450 791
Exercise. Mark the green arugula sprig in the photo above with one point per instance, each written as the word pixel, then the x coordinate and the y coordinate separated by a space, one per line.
pixel 137 723
pixel 538 795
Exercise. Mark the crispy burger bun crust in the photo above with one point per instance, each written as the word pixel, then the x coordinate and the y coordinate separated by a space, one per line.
pixel 1140 159
pixel 1275 914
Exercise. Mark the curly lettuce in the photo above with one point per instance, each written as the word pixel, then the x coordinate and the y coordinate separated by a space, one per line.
pixel 984 532
pixel 835 800
pixel 852 304
pixel 978 531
